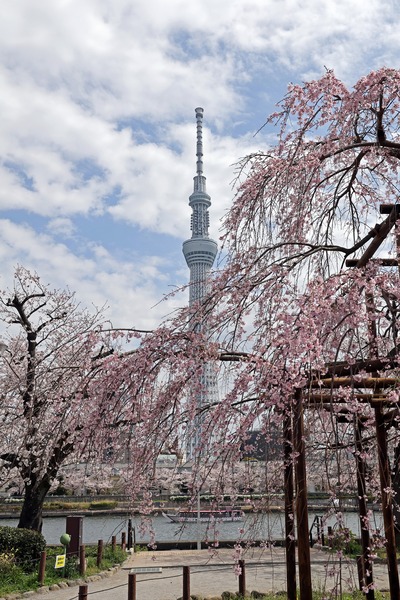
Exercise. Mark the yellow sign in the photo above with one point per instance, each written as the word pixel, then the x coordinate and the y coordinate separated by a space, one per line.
pixel 60 561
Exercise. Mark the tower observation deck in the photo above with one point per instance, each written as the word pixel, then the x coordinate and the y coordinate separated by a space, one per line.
pixel 200 252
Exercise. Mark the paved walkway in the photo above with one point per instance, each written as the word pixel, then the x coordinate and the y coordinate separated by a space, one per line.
pixel 213 574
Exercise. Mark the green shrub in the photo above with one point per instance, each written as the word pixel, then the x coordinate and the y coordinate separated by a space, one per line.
pixel 103 504
pixel 10 573
pixel 7 564
pixel 74 506
pixel 24 544
pixel 63 505
pixel 343 539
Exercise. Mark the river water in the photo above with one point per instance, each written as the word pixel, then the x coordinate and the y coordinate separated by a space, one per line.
pixel 267 527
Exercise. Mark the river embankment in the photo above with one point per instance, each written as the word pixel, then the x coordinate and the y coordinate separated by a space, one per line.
pixel 264 528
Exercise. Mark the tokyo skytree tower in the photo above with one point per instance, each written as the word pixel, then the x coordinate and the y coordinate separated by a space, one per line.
pixel 200 252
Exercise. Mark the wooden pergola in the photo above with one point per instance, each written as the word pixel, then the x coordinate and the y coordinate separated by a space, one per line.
pixel 371 389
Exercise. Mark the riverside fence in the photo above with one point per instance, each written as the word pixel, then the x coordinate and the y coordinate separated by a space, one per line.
pixel 185 574
pixel 230 578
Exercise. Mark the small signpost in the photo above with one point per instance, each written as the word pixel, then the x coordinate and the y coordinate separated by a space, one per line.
pixel 61 558
pixel 60 561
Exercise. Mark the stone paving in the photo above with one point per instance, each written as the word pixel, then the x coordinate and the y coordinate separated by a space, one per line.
pixel 211 574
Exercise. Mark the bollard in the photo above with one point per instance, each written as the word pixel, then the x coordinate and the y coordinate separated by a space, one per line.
pixel 130 537
pixel 134 539
pixel 330 534
pixel 42 567
pixel 114 543
pixel 319 530
pixel 82 560
pixel 99 552
pixel 83 592
pixel 123 540
pixel 360 571
pixel 242 579
pixel 186 583
pixel 131 586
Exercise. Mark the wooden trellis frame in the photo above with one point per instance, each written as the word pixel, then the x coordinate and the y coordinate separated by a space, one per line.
pixel 337 375
pixel 316 394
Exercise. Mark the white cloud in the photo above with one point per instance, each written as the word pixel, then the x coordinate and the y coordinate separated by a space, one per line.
pixel 97 125
pixel 61 226
pixel 157 194
pixel 130 289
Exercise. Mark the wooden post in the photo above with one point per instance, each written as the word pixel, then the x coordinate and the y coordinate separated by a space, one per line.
pixel 387 509
pixel 366 563
pixel 123 540
pixel 186 583
pixel 396 492
pixel 131 586
pixel 82 560
pixel 290 542
pixel 99 557
pixel 114 543
pixel 360 572
pixel 303 540
pixel 83 592
pixel 130 538
pixel 42 567
pixel 242 578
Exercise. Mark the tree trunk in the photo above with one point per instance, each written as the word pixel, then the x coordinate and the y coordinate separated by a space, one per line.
pixel 32 507
pixel 368 579
pixel 384 472
pixel 396 492
pixel 303 539
pixel 290 542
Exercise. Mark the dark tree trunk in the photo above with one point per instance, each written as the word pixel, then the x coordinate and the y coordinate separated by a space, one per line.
pixel 303 539
pixel 366 564
pixel 384 473
pixel 290 542
pixel 396 492
pixel 32 507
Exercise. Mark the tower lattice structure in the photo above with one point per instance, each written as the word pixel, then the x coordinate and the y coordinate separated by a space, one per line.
pixel 200 252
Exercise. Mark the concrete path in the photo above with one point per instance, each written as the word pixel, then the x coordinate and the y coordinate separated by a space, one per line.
pixel 211 574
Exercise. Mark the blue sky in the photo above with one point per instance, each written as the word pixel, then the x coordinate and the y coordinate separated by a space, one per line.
pixel 98 133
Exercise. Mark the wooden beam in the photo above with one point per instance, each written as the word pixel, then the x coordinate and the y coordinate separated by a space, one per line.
pixel 342 369
pixel 386 209
pixel 366 382
pixel 382 230
pixel 325 398
pixel 383 262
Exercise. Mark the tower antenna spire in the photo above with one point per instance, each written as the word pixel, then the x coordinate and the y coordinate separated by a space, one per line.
pixel 199 148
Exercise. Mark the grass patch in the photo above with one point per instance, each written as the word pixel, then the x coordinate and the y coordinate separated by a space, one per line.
pixel 103 504
pixel 13 579
pixel 77 506
pixel 61 505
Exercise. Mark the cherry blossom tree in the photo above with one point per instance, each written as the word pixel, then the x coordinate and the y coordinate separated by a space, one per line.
pixel 285 306
pixel 309 290
pixel 53 406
